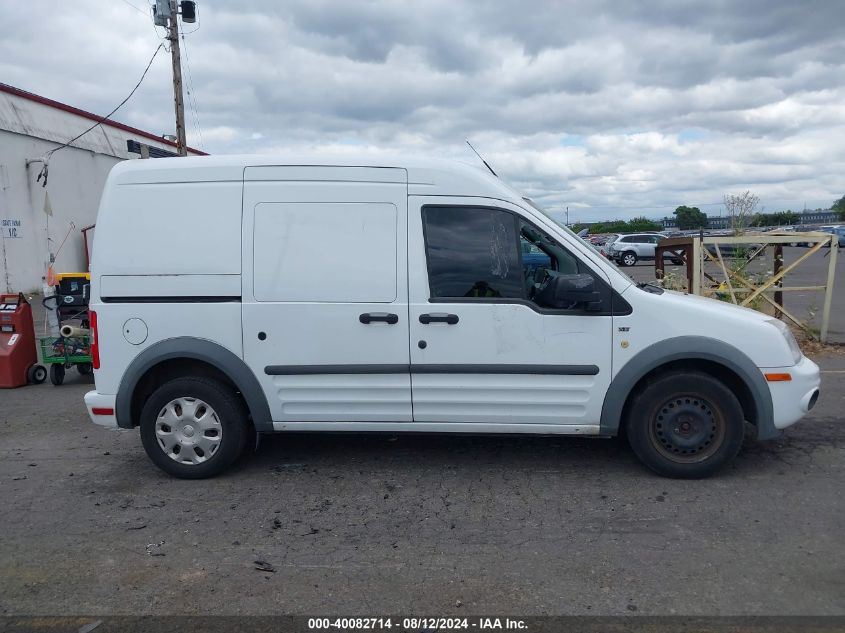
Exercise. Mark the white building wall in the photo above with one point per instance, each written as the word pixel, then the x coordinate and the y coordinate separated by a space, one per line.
pixel 28 130
pixel 76 179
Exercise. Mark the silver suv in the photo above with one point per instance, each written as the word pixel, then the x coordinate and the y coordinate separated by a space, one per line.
pixel 627 250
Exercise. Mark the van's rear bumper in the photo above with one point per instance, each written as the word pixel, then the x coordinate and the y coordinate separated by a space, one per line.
pixel 101 408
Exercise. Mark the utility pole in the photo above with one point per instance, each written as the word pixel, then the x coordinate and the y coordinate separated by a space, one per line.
pixel 567 216
pixel 178 101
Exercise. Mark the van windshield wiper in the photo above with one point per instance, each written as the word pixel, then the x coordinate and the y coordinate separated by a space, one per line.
pixel 655 290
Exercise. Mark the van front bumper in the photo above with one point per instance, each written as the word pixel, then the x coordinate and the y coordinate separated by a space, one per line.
pixel 101 408
pixel 793 399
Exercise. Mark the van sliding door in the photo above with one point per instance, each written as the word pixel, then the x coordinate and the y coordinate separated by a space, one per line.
pixel 325 296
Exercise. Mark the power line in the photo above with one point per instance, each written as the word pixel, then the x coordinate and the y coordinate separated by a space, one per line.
pixel 192 100
pixel 119 105
pixel 48 155
pixel 138 9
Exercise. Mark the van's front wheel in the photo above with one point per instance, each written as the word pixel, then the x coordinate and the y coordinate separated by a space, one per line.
pixel 193 427
pixel 686 425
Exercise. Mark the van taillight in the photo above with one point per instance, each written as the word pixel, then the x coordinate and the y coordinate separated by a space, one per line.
pixel 95 345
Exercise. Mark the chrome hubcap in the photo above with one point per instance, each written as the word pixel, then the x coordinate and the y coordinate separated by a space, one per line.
pixel 188 430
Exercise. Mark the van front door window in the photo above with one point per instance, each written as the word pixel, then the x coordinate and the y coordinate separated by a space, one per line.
pixel 472 252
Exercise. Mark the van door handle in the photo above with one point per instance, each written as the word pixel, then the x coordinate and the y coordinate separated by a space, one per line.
pixel 376 317
pixel 439 317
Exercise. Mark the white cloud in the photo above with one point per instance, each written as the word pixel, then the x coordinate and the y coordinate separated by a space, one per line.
pixel 622 109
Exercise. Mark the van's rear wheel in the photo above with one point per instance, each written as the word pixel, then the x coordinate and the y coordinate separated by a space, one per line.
pixel 686 425
pixel 193 427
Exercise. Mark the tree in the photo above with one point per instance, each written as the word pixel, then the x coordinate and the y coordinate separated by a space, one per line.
pixel 690 218
pixel 741 210
pixel 642 224
pixel 634 225
pixel 781 218
pixel 839 207
pixel 785 218
pixel 612 226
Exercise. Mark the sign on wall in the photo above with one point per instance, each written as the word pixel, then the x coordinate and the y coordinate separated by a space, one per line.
pixel 11 228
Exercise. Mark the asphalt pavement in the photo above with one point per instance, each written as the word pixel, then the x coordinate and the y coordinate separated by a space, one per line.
pixel 414 524
pixel 436 525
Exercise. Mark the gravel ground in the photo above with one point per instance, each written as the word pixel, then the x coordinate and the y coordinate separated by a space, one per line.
pixel 415 525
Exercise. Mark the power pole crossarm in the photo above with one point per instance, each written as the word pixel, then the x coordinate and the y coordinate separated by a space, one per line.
pixel 173 36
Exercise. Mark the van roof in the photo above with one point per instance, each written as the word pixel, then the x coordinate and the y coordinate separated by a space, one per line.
pixel 426 176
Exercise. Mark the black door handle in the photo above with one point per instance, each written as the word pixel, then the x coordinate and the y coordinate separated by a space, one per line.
pixel 439 317
pixel 375 317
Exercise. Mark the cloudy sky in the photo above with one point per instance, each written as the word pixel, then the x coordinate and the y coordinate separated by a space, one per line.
pixel 615 109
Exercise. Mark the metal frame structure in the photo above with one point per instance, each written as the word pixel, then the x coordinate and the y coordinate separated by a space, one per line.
pixel 694 252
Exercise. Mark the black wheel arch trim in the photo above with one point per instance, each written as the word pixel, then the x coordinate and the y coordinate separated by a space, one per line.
pixel 689 348
pixel 196 349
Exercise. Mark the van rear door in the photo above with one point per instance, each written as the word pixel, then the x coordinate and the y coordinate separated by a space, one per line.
pixel 325 295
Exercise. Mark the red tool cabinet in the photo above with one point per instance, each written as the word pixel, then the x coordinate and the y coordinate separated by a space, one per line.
pixel 18 356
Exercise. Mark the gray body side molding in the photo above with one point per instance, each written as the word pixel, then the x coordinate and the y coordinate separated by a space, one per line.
pixel 689 348
pixel 199 349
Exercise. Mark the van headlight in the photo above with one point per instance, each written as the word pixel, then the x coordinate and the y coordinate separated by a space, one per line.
pixel 790 339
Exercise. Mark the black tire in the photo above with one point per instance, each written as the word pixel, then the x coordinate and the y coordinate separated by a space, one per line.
pixel 57 374
pixel 250 442
pixel 628 258
pixel 228 409
pixel 36 374
pixel 84 368
pixel 686 425
pixel 677 262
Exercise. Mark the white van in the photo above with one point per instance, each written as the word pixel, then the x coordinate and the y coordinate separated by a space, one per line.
pixel 235 295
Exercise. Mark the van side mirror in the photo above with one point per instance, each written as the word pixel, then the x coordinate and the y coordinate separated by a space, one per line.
pixel 564 292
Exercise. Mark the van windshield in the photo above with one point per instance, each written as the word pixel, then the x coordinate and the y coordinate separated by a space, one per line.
pixel 537 207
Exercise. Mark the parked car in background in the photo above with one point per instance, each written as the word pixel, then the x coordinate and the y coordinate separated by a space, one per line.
pixel 627 250
pixel 805 228
pixel 599 240
pixel 533 258
pixel 604 249
pixel 838 230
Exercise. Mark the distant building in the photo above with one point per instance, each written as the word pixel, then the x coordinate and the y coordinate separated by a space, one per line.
pixel 819 217
pixel 31 126
pixel 719 222
pixel 724 221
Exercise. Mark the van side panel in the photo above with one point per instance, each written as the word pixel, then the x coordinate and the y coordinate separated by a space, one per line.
pixel 351 256
pixel 325 299
pixel 170 229
pixel 138 287
pixel 166 264
pixel 217 322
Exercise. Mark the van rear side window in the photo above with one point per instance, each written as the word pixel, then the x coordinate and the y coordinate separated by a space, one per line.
pixel 325 252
